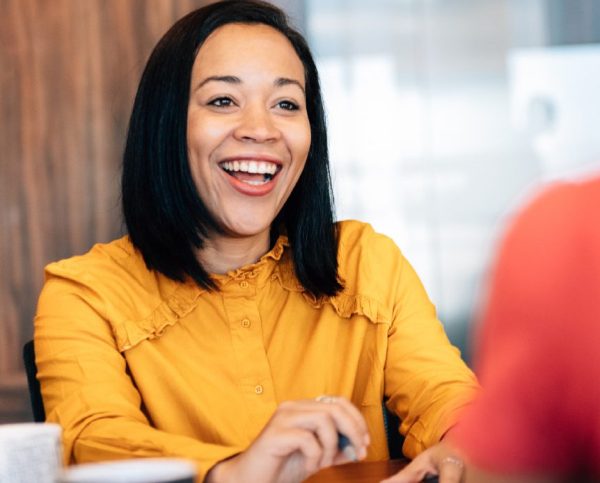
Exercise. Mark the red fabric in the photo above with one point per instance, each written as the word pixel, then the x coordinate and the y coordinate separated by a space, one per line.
pixel 538 356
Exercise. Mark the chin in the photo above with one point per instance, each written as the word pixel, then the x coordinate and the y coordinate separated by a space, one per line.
pixel 243 230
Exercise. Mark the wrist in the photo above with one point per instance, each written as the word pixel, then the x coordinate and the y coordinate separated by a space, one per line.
pixel 222 471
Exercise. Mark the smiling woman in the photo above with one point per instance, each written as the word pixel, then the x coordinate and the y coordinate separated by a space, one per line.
pixel 237 324
pixel 205 78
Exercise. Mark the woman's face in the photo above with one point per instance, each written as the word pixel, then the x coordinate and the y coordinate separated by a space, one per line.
pixel 248 132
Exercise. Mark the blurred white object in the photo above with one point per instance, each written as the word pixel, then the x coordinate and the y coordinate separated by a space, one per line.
pixel 143 470
pixel 554 99
pixel 30 452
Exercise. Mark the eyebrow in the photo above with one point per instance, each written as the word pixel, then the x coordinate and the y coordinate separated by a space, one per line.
pixel 284 81
pixel 231 79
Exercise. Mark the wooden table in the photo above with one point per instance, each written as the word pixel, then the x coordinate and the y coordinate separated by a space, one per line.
pixel 371 472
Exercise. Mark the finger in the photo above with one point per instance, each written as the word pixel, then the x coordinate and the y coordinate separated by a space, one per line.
pixel 327 435
pixel 406 478
pixel 354 413
pixel 341 458
pixel 403 477
pixel 414 472
pixel 311 414
pixel 348 421
pixel 310 448
pixel 331 416
pixel 351 410
pixel 295 414
pixel 451 469
pixel 278 448
pixel 291 441
pixel 322 423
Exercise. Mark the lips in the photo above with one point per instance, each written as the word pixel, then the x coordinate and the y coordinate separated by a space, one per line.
pixel 253 176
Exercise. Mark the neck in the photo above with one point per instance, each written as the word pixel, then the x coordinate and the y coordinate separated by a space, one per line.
pixel 222 254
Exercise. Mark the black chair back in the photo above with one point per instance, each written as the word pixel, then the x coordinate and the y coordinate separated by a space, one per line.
pixel 394 439
pixel 35 394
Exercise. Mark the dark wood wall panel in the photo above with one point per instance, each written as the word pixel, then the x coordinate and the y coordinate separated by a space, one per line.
pixel 68 73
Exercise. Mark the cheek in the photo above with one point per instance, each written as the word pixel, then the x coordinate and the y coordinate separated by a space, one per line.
pixel 204 135
pixel 196 151
pixel 302 147
pixel 300 141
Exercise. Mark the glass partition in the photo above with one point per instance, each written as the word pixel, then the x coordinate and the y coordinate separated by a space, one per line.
pixel 445 115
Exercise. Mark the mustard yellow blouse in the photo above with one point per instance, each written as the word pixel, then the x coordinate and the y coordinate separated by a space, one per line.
pixel 133 364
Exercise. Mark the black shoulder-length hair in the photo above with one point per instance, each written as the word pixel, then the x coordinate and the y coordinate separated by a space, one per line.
pixel 165 217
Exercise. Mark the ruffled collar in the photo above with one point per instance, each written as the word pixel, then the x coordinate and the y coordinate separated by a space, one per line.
pixel 275 265
pixel 264 266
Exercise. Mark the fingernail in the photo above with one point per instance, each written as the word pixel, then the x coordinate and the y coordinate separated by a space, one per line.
pixel 363 453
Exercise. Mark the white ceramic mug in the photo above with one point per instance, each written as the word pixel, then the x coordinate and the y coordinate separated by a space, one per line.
pixel 30 452
pixel 142 470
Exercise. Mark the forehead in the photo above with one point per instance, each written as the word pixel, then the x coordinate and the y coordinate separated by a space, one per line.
pixel 248 49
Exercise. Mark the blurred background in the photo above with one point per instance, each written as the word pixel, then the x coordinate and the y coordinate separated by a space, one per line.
pixel 444 117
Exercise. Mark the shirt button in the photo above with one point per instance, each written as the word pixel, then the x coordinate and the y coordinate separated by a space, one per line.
pixel 244 284
pixel 258 389
pixel 245 323
pixel 274 277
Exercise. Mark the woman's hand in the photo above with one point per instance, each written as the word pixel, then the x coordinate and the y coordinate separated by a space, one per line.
pixel 299 439
pixel 441 460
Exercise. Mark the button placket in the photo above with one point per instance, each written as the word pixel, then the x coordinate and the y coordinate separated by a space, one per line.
pixel 250 357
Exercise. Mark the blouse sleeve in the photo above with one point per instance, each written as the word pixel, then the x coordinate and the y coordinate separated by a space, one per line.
pixel 426 381
pixel 86 387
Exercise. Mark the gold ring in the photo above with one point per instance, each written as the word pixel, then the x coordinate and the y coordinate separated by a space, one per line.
pixel 453 461
pixel 325 399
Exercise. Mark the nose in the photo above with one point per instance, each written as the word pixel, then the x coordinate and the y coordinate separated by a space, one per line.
pixel 256 124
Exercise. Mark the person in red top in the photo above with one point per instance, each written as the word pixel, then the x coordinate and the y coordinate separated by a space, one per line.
pixel 538 358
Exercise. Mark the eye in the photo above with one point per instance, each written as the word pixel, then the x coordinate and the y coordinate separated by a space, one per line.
pixel 221 102
pixel 288 105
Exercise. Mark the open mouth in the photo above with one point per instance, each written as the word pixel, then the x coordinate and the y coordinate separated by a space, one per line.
pixel 254 173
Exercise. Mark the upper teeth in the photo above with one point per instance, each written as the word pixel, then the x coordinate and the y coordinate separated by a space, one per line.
pixel 260 167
